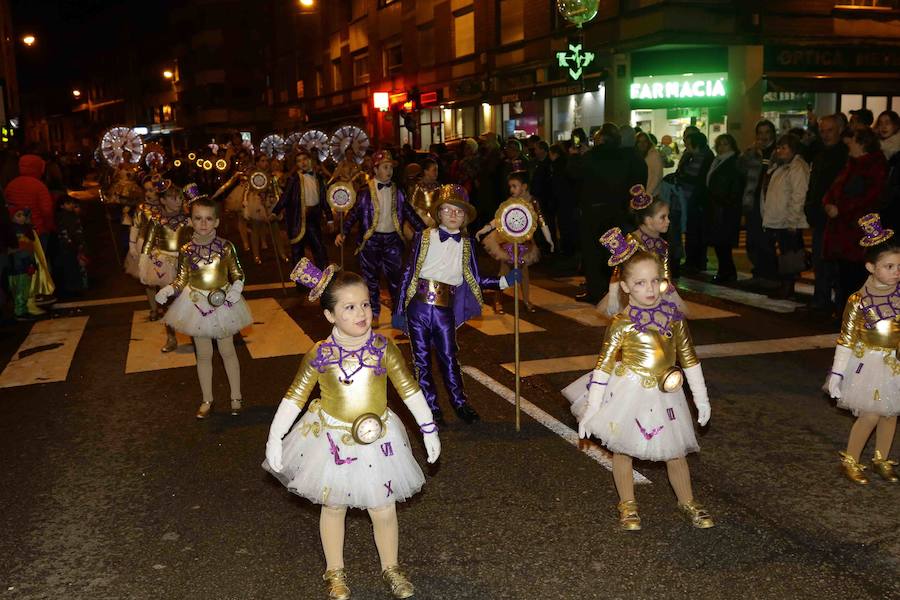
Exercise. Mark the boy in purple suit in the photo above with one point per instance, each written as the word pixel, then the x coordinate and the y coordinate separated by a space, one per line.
pixel 441 290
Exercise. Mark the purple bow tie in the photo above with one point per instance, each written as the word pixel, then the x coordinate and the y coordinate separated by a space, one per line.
pixel 384 185
pixel 445 235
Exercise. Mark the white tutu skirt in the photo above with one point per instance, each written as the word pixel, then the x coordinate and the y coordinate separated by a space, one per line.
pixel 254 208
pixel 158 268
pixel 191 314
pixel 319 466
pixel 871 385
pixel 234 200
pixel 644 423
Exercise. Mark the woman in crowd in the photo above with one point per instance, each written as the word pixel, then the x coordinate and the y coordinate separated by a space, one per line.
pixel 725 188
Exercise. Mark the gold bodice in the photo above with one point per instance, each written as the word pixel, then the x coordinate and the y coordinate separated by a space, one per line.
pixel 648 351
pixel 352 382
pixel 207 267
pixel 167 233
pixel 871 322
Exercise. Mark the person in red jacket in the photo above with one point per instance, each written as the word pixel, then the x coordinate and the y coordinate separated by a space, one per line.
pixel 28 191
pixel 855 192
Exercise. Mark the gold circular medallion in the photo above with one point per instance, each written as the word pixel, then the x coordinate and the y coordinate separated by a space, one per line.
pixel 671 380
pixel 367 428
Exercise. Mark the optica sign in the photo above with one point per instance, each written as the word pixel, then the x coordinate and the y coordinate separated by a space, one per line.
pixel 690 89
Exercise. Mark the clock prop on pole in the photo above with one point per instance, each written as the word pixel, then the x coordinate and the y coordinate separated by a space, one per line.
pixel 341 197
pixel 516 223
pixel 259 181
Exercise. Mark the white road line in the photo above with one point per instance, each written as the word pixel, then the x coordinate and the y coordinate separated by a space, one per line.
pixel 569 435
pixel 585 362
pixel 147 338
pixel 46 354
pixel 274 332
pixel 258 287
pixel 491 323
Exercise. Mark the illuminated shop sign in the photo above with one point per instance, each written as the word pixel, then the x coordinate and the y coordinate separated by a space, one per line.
pixel 575 60
pixel 690 89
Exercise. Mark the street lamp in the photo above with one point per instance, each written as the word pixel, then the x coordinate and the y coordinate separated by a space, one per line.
pixel 76 93
pixel 307 3
pixel 29 40
pixel 168 74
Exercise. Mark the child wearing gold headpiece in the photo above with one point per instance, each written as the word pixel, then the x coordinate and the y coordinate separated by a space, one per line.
pixel 865 374
pixel 633 399
pixel 350 450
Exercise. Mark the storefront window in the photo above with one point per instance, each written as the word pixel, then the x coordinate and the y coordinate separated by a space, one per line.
pixel 458 122
pixel 578 110
pixel 524 118
pixel 431 127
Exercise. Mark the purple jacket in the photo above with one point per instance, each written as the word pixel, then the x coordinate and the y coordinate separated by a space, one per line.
pixel 364 212
pixel 295 209
pixel 467 299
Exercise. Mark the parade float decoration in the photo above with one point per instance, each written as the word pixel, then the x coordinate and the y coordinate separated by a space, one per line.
pixel 317 143
pixel 349 137
pixel 273 146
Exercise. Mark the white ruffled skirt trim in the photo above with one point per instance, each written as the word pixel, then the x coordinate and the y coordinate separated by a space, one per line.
pixel 158 268
pixel 645 423
pixel 322 467
pixel 191 314
pixel 871 385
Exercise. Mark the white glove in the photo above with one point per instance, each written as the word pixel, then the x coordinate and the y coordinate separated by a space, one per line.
pixel 162 296
pixel 596 391
pixel 422 414
pixel 546 231
pixel 698 390
pixel 234 292
pixel 284 417
pixel 835 378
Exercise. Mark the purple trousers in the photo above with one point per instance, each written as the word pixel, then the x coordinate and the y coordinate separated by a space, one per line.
pixel 383 253
pixel 434 328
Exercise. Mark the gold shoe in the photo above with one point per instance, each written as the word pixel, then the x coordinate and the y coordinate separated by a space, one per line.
pixel 204 409
pixel 398 583
pixel 171 344
pixel 236 406
pixel 337 584
pixel 629 519
pixel 852 469
pixel 884 467
pixel 697 514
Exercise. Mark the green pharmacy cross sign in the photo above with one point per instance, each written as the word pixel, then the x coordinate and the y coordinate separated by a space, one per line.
pixel 575 60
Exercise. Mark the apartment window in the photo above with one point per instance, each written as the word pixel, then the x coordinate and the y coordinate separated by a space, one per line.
pixel 383 3
pixel 166 113
pixel 393 60
pixel 876 4
pixel 512 21
pixel 336 81
pixel 358 9
pixel 464 34
pixel 361 69
pixel 426 45
pixel 320 83
pixel 299 88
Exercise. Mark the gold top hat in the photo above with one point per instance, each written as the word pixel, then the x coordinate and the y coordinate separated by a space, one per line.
pixel 874 232
pixel 456 195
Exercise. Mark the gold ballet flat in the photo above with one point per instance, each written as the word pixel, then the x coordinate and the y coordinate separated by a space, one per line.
pixel 204 409
pixel 337 584
pixel 884 467
pixel 698 516
pixel 236 405
pixel 171 345
pixel 397 582
pixel 629 519
pixel 852 469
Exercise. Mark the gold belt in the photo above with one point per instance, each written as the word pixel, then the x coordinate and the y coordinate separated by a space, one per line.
pixel 349 433
pixel 434 292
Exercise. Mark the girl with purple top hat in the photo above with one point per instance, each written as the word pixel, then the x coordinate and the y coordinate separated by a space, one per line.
pixel 864 375
pixel 651 215
pixel 633 399
pixel 349 450
pixel 209 305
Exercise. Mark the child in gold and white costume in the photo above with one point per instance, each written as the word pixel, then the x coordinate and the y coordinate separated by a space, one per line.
pixel 633 399
pixel 349 450
pixel 209 305
pixel 865 375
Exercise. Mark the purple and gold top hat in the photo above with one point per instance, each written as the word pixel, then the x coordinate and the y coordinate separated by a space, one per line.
pixel 308 275
pixel 640 199
pixel 455 194
pixel 161 186
pixel 192 192
pixel 619 246
pixel 873 232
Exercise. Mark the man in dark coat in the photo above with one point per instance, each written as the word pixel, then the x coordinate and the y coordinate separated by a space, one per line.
pixel 605 174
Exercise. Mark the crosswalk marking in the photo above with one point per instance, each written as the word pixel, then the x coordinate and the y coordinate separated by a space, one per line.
pixel 257 287
pixel 586 362
pixel 274 332
pixel 587 314
pixel 490 323
pixel 46 354
pixel 147 338
pixel 567 433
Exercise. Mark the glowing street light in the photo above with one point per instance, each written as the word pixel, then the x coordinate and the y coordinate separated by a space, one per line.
pixel 307 3
pixel 29 40
pixel 168 74
pixel 76 93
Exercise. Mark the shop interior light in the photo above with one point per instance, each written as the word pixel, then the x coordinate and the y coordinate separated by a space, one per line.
pixel 168 74
pixel 485 105
pixel 307 3
pixel 76 93
pixel 382 101
pixel 28 40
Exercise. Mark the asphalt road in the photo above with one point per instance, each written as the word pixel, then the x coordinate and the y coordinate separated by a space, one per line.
pixel 110 488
